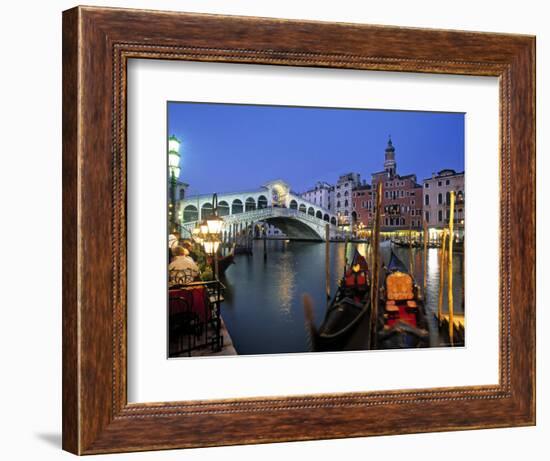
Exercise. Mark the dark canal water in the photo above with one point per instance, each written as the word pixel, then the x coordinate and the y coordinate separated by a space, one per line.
pixel 263 307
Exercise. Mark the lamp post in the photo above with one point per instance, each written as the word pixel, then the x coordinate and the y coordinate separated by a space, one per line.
pixel 208 232
pixel 211 229
pixel 173 172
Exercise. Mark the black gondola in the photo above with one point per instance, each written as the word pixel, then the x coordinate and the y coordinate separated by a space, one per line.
pixel 348 307
pixel 402 319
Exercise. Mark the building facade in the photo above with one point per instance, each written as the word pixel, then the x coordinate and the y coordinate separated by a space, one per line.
pixel 401 199
pixel 343 198
pixel 322 195
pixel 436 198
pixel 362 206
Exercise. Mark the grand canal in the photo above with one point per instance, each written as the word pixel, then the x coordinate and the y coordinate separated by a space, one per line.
pixel 263 307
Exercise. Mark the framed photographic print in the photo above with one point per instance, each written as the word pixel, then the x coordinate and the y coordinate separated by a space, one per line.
pixel 282 230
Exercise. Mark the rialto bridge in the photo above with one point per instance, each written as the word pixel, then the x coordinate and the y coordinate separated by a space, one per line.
pixel 273 203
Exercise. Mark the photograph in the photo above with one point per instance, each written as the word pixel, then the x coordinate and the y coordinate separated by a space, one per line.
pixel 313 229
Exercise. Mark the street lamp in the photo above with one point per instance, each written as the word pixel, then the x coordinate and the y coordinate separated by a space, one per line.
pixel 211 246
pixel 208 233
pixel 211 227
pixel 203 226
pixel 174 173
pixel 214 222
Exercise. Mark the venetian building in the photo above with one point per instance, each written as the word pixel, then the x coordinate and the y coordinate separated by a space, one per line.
pixel 362 206
pixel 401 200
pixel 322 194
pixel 437 197
pixel 343 198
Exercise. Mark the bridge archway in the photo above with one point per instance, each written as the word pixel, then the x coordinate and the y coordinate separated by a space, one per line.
pixel 326 218
pixel 262 202
pixel 206 210
pixel 294 228
pixel 236 206
pixel 190 213
pixel 303 208
pixel 311 211
pixel 333 221
pixel 293 204
pixel 319 214
pixel 223 208
pixel 249 204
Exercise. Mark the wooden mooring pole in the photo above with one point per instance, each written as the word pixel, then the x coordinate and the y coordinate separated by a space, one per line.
pixel 327 260
pixel 450 269
pixel 265 242
pixel 442 262
pixel 375 270
pixel 425 257
pixel 345 253
pixel 411 263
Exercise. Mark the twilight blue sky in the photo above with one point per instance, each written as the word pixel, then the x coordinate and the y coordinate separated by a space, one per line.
pixel 227 147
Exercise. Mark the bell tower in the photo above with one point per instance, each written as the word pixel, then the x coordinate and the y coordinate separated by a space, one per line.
pixel 390 166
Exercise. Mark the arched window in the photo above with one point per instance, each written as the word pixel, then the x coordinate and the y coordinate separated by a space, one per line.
pixel 448 198
pixel 440 199
pixel 236 206
pixel 262 202
pixel 354 216
pixel 346 193
pixel 206 210
pixel 426 199
pixel 346 203
pixel 293 205
pixel 190 213
pixel 182 193
pixel 303 208
pixel 319 214
pixel 250 204
pixel 311 211
pixel 338 195
pixel 223 208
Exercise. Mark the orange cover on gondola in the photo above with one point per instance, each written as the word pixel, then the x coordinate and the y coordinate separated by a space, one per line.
pixel 399 286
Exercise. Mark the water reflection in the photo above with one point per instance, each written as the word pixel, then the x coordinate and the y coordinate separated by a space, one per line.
pixel 284 280
pixel 263 305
